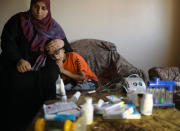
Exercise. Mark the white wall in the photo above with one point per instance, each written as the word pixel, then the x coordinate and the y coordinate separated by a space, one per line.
pixel 141 29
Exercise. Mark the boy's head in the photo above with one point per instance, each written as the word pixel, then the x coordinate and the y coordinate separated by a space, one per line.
pixel 54 49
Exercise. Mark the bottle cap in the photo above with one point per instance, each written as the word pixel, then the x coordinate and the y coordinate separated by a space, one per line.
pixel 39 125
pixel 89 100
pixel 68 125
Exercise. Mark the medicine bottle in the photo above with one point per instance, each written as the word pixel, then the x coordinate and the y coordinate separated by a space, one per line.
pixel 79 125
pixel 88 110
pixel 75 97
pixel 147 104
pixel 60 89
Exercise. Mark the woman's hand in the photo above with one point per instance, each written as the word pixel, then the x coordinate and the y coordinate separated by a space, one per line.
pixel 23 66
pixel 54 45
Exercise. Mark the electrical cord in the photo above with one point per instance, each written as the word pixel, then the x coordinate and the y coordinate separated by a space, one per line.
pixel 106 86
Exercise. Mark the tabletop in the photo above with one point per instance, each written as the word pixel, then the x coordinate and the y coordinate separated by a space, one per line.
pixel 162 118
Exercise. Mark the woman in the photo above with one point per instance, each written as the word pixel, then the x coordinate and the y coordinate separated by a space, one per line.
pixel 28 76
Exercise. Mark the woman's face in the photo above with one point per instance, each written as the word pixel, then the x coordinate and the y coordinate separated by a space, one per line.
pixel 39 10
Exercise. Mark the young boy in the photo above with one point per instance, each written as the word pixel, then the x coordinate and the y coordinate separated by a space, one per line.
pixel 75 71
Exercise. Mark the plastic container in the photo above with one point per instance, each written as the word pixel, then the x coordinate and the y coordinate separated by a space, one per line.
pixel 60 89
pixel 88 111
pixel 169 95
pixel 132 97
pixel 99 104
pixel 63 92
pixel 52 125
pixel 162 91
pixel 79 125
pixel 146 107
pixel 156 94
pixel 58 82
pixel 75 97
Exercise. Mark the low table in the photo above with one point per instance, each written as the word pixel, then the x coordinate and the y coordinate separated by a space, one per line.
pixel 162 119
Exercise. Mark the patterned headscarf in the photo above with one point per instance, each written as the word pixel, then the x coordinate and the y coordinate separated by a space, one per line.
pixel 37 32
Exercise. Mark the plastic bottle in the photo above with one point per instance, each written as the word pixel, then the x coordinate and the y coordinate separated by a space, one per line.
pixel 88 110
pixel 75 97
pixel 132 97
pixel 79 125
pixel 60 89
pixel 63 92
pixel 169 95
pixel 100 103
pixel 147 104
pixel 58 82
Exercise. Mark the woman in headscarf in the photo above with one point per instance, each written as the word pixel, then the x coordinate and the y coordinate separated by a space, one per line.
pixel 28 76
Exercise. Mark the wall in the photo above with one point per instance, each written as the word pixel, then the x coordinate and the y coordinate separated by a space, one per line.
pixel 145 31
pixel 175 39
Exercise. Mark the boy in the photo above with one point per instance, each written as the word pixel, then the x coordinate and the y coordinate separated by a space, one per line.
pixel 75 71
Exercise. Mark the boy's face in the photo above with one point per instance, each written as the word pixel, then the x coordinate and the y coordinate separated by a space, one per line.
pixel 55 49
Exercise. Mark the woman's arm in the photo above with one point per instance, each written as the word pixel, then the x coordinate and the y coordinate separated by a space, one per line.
pixel 10 43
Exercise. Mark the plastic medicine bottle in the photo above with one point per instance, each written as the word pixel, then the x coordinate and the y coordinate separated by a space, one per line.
pixel 75 97
pixel 88 110
pixel 63 92
pixel 147 104
pixel 60 89
pixel 79 125
pixel 58 82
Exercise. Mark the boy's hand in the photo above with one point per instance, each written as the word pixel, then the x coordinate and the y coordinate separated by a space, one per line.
pixel 83 78
pixel 59 62
pixel 82 81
